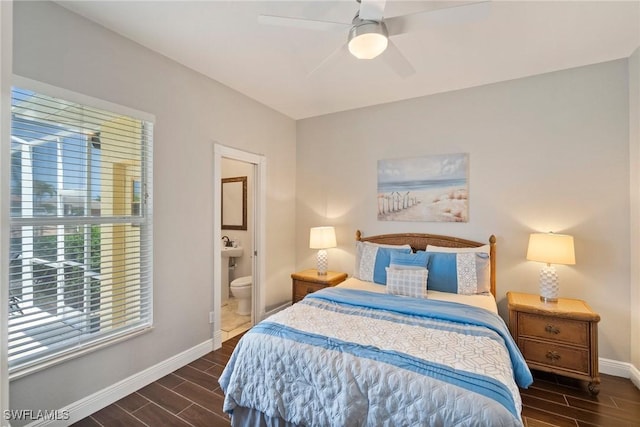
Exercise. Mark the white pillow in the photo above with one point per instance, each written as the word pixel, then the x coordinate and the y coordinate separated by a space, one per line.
pixel 484 249
pixel 410 283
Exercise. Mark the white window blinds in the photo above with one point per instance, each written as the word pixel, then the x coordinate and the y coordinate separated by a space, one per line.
pixel 81 242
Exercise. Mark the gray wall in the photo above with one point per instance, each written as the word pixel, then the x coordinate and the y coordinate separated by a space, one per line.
pixel 634 145
pixel 547 153
pixel 60 48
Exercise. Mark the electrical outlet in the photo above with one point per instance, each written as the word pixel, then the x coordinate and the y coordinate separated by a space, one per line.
pixel 211 317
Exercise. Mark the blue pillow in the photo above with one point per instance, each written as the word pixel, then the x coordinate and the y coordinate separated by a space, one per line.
pixel 409 260
pixel 373 261
pixel 383 259
pixel 459 273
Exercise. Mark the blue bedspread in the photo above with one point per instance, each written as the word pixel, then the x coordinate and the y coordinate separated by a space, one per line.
pixel 442 310
pixel 349 357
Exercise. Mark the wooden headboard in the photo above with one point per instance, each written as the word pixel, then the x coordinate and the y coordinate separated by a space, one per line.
pixel 419 242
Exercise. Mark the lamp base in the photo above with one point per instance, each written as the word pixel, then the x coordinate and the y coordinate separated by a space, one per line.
pixel 549 285
pixel 323 261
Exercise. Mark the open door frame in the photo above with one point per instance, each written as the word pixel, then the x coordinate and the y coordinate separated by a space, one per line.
pixel 259 229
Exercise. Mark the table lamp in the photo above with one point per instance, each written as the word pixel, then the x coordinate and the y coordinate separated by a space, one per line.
pixel 551 249
pixel 322 238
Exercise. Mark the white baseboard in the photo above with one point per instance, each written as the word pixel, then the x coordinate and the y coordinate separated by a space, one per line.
pixel 93 403
pixel 217 339
pixel 635 376
pixel 619 369
pixel 614 367
pixel 277 309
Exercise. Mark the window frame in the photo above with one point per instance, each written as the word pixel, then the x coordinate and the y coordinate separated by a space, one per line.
pixel 143 220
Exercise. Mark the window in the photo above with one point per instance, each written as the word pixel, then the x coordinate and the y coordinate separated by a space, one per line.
pixel 80 268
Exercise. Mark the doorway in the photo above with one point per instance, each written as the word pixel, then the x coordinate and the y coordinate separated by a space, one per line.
pixel 231 166
pixel 237 198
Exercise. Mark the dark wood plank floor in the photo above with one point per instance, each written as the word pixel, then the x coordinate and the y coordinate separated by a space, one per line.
pixel 191 397
pixel 558 401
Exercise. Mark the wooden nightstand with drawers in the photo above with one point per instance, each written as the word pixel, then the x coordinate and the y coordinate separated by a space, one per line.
pixel 308 281
pixel 560 337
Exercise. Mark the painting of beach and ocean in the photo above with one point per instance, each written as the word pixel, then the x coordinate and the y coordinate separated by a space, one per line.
pixel 431 188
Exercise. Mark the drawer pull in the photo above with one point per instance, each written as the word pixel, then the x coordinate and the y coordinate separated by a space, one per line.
pixel 552 329
pixel 553 355
pixel 310 290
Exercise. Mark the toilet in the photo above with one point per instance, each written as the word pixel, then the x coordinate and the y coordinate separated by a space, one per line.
pixel 241 289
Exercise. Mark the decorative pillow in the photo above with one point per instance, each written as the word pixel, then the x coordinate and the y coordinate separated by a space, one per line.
pixel 360 248
pixel 459 273
pixel 405 261
pixel 484 248
pixel 407 282
pixel 372 259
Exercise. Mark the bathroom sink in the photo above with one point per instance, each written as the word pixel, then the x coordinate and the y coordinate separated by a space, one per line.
pixel 229 252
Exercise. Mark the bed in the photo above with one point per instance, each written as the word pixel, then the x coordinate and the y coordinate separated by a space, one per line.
pixel 396 344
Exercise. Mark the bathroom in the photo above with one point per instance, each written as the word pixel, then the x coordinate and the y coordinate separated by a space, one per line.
pixel 237 246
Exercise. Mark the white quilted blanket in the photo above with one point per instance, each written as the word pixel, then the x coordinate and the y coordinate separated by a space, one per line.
pixel 333 360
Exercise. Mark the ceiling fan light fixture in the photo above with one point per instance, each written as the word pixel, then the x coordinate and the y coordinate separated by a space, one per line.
pixel 368 39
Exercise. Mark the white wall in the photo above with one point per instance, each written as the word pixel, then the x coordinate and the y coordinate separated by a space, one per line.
pixel 547 153
pixel 634 145
pixel 60 48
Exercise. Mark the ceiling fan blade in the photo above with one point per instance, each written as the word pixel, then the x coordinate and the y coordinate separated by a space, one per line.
pixel 372 10
pixel 450 15
pixel 305 24
pixel 397 61
pixel 332 58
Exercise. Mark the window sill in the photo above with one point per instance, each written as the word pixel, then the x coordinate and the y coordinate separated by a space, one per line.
pixel 73 353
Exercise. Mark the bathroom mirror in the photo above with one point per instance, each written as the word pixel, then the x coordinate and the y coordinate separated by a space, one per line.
pixel 234 203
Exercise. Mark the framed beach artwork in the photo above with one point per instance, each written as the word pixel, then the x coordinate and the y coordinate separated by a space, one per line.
pixel 431 188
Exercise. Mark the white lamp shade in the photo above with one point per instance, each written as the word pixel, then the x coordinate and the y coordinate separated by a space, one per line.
pixel 368 46
pixel 368 39
pixel 551 248
pixel 322 238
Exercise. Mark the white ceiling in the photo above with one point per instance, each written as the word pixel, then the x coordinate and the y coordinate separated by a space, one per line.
pixel 223 40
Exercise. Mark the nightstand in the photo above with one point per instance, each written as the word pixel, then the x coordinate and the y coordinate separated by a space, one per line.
pixel 560 337
pixel 308 281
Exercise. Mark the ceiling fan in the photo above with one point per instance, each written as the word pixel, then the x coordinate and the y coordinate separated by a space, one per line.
pixel 369 33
